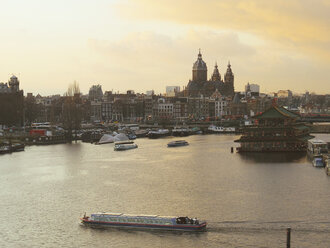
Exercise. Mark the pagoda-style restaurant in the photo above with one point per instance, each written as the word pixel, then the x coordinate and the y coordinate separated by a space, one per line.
pixel 275 130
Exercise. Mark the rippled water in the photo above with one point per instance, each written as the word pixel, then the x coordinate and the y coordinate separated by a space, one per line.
pixel 248 200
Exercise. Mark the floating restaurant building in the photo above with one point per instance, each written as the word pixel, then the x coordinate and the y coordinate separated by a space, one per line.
pixel 275 130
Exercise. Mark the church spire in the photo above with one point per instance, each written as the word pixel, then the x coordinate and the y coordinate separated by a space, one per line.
pixel 216 74
pixel 229 80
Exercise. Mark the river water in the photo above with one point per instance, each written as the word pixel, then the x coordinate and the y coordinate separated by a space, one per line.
pixel 248 200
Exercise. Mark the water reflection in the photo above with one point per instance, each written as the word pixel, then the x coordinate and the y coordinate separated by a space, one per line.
pixel 45 190
pixel 273 157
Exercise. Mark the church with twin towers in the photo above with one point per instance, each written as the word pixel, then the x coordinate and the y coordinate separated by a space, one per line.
pixel 201 86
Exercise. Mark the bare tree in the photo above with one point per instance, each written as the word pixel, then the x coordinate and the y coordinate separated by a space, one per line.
pixel 72 109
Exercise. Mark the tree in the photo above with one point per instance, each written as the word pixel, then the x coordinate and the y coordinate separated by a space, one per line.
pixel 71 112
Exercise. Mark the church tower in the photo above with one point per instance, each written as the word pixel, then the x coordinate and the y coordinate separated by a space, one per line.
pixel 216 77
pixel 229 81
pixel 199 72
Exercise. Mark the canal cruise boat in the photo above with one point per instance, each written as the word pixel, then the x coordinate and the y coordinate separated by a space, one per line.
pixel 140 221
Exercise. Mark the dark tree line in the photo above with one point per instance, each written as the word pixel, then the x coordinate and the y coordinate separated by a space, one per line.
pixel 11 108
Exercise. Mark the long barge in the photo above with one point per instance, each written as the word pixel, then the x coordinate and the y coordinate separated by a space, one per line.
pixel 120 220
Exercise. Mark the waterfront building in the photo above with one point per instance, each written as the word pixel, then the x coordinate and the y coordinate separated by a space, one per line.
pixel 150 92
pixel 163 110
pixel 180 108
pixel 238 107
pixel 276 129
pixel 148 107
pixel 95 93
pixel 252 90
pixel 199 107
pixel 106 108
pixel 11 103
pixel 220 105
pixel 171 91
pixel 96 110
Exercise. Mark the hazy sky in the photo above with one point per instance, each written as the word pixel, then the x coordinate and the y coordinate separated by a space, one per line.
pixel 151 44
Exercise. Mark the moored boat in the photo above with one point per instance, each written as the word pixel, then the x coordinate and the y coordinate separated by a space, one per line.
pixel 141 133
pixel 18 147
pixel 154 134
pixel 125 145
pixel 316 148
pixel 120 220
pixel 178 143
pixel 5 149
pixel 216 129
pixel 317 162
pixel 181 131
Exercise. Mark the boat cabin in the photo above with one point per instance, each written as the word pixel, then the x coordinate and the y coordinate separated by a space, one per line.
pixel 186 220
pixel 317 147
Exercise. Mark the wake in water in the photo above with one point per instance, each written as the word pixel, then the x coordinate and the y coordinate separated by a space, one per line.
pixel 269 226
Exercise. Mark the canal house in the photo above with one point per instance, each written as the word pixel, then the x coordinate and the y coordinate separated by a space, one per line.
pixel 276 129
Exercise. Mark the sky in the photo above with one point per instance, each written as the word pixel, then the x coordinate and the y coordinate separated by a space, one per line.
pixel 145 45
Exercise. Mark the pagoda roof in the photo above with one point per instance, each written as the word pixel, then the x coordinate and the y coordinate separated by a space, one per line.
pixel 276 112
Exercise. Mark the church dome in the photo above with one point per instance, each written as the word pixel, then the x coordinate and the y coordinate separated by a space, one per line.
pixel 199 64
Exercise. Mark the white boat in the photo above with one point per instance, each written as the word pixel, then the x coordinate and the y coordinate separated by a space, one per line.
pixel 111 138
pixel 106 138
pixel 125 145
pixel 140 221
pixel 216 129
pixel 154 134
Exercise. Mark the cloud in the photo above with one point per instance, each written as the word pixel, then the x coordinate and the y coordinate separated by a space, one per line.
pixel 301 25
pixel 148 60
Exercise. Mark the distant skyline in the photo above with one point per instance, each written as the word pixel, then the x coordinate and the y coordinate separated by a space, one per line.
pixel 145 45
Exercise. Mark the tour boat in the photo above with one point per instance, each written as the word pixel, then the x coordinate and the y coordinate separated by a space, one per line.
pixel 125 145
pixel 178 143
pixel 143 222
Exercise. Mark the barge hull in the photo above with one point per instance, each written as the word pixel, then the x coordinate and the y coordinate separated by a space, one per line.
pixel 201 227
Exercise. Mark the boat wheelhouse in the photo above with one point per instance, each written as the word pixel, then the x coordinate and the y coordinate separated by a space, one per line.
pixel 143 221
